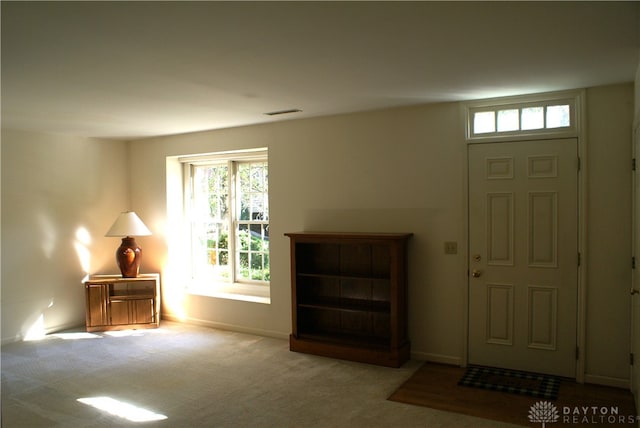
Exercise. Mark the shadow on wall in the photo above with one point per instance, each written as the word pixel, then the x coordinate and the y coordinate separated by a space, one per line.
pixel 36 325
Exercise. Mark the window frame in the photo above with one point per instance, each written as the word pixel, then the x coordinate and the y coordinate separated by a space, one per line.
pixel 236 221
pixel 235 288
pixel 544 100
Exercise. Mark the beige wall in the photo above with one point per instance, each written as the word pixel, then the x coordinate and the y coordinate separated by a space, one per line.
pixel 394 170
pixel 609 127
pixel 53 188
pixel 402 170
pixel 380 171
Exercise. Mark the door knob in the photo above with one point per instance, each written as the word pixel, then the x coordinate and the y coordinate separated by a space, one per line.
pixel 634 291
pixel 476 273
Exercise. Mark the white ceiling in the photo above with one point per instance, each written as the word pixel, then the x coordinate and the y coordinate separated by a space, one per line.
pixel 136 69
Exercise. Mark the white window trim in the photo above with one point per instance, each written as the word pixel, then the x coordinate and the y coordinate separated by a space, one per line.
pixel 232 291
pixel 240 155
pixel 572 98
pixel 244 291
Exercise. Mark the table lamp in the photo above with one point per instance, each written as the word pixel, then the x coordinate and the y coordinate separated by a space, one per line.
pixel 128 254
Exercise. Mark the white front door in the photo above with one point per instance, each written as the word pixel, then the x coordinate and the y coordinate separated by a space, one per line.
pixel 523 255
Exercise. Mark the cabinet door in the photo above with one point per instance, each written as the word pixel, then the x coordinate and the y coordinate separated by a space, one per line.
pixel 96 305
pixel 142 311
pixel 137 311
pixel 119 312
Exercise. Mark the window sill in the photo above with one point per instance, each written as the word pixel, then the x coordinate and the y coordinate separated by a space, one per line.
pixel 238 291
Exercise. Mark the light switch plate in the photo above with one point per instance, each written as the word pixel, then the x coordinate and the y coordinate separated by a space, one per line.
pixel 451 247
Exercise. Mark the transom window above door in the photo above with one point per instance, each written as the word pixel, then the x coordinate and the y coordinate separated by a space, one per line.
pixel 520 117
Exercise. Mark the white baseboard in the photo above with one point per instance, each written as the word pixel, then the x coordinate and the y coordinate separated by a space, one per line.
pixel 49 330
pixel 607 381
pixel 7 340
pixel 421 356
pixel 228 327
pixel 437 358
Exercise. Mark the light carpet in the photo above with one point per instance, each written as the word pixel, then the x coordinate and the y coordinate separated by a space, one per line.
pixel 200 377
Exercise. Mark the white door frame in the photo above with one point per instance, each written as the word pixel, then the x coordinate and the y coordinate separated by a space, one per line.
pixel 634 376
pixel 578 132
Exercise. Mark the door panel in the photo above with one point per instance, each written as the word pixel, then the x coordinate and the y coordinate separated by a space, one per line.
pixel 500 228
pixel 543 308
pixel 523 248
pixel 543 229
pixel 500 314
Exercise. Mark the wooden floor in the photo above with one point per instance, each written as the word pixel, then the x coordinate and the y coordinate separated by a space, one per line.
pixel 436 386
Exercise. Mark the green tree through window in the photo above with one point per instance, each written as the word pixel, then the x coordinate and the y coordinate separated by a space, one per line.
pixel 230 220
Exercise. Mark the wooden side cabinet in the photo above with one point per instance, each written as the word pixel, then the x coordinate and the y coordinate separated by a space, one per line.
pixel 349 296
pixel 117 303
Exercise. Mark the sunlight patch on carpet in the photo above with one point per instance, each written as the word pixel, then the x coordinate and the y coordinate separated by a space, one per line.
pixel 122 409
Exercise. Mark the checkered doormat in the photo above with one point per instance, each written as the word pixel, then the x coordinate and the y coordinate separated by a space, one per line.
pixel 513 381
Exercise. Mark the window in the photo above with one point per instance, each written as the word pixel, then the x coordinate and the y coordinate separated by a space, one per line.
pixel 550 116
pixel 522 119
pixel 227 209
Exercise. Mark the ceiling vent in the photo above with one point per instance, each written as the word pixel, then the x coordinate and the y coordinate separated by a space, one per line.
pixel 279 112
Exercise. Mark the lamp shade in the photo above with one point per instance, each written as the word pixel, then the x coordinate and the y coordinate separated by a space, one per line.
pixel 128 224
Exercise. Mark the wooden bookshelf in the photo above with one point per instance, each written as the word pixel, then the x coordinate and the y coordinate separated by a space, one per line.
pixel 349 296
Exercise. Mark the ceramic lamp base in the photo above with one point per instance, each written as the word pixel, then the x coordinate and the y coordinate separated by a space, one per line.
pixel 128 257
